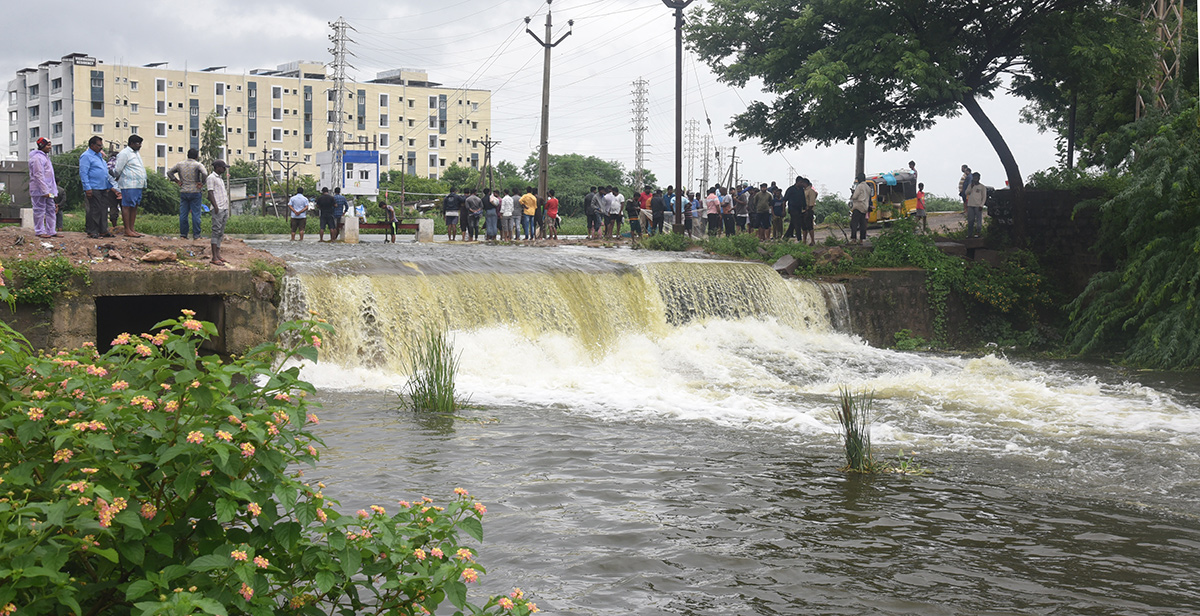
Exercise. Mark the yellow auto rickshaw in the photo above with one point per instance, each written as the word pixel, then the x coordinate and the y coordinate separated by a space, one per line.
pixel 895 195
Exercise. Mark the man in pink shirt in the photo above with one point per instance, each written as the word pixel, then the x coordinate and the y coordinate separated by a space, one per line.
pixel 42 190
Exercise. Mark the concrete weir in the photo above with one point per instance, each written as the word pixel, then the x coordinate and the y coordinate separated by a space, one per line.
pixel 242 305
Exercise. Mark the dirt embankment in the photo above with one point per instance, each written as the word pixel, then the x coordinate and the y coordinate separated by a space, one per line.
pixel 120 253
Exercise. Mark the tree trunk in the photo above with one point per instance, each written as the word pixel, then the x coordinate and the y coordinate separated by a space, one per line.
pixel 1071 131
pixel 860 157
pixel 1006 158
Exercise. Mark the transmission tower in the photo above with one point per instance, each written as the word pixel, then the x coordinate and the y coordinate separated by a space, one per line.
pixel 639 129
pixel 336 144
pixel 704 161
pixel 791 176
pixel 692 130
pixel 1167 18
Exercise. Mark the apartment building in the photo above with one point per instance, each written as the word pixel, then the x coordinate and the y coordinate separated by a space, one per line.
pixel 284 114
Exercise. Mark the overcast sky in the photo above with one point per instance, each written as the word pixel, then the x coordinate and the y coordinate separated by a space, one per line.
pixel 483 44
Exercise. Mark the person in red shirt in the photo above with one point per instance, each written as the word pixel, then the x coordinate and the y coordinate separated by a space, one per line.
pixel 919 213
pixel 551 216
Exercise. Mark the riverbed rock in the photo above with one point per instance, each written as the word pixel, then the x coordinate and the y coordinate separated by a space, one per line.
pixel 787 264
pixel 832 256
pixel 159 256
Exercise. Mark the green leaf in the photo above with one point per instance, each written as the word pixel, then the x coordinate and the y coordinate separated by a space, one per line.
pixel 138 589
pixel 134 551
pixel 286 494
pixel 287 534
pixel 226 510
pixel 161 543
pixel 108 554
pixel 473 527
pixel 210 606
pixel 456 593
pixel 351 561
pixel 208 562
pixel 325 580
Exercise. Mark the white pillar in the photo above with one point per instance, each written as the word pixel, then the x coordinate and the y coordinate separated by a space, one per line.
pixel 424 229
pixel 350 228
pixel 27 218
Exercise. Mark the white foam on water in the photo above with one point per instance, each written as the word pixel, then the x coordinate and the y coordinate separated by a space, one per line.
pixel 766 374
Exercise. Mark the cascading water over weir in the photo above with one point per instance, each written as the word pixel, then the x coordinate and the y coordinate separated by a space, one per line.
pixel 375 308
pixel 652 435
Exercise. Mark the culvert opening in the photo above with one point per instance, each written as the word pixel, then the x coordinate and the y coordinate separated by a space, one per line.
pixel 138 314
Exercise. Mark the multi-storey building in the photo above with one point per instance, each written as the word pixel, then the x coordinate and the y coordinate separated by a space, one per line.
pixel 286 114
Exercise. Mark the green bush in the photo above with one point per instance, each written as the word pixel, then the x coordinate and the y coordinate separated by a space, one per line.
pixel 150 480
pixel 38 282
pixel 674 242
pixel 432 367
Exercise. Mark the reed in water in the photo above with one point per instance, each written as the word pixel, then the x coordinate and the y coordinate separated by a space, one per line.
pixel 854 415
pixel 432 366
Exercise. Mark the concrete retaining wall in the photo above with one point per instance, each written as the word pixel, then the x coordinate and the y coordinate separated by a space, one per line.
pixel 241 305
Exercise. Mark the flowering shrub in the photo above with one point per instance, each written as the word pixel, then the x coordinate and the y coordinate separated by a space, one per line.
pixel 150 480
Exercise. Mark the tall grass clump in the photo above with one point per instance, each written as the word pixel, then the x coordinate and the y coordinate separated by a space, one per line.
pixel 854 416
pixel 432 366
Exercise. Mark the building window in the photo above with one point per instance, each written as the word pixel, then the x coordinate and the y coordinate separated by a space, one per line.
pixel 98 106
pixel 161 151
pixel 383 140
pixel 383 100
pixel 33 113
pixel 252 135
pixel 252 94
pixel 251 156
pixel 277 114
pixel 55 85
pixel 410 102
pixel 98 82
pixel 383 159
pixel 474 106
pixel 160 129
pixel 252 114
pixel 276 92
pixel 433 121
pixel 433 161
pixel 443 162
pixel 475 125
pixel 14 137
pixel 133 108
pixel 308 95
pixel 195 133
pixel 56 129
pixel 276 154
pixel 34 133
pixel 433 142
pixel 412 142
pixel 133 130
pixel 133 86
pixel 194 88
pixel 412 123
pixel 276 134
pixel 160 107
pixel 433 102
pixel 12 97
pixel 12 117
pixel 160 85
pixel 383 119
pixel 220 89
pixel 195 111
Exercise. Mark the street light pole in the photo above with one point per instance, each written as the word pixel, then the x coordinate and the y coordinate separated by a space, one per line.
pixel 543 155
pixel 678 5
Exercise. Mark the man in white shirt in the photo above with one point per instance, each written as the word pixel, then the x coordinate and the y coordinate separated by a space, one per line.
pixel 298 206
pixel 976 199
pixel 506 216
pixel 617 209
pixel 131 180
pixel 218 197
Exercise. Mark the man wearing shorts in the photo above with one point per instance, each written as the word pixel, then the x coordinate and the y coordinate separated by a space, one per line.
pixel 131 180
pixel 762 213
pixel 325 207
pixel 451 207
pixel 298 207
pixel 218 197
pixel 809 215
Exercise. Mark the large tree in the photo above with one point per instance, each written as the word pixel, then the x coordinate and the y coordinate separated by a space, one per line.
pixel 212 137
pixel 841 69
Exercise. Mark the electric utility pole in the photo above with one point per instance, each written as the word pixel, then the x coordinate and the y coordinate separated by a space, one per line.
pixel 543 155
pixel 691 151
pixel 639 132
pixel 339 65
pixel 678 5
pixel 488 144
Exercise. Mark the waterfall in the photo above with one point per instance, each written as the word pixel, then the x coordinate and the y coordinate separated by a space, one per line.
pixel 375 309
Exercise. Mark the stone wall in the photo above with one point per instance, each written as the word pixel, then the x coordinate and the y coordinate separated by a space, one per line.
pixel 1058 230
pixel 241 305
pixel 885 301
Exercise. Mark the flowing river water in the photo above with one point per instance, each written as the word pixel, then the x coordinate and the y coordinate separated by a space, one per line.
pixel 652 435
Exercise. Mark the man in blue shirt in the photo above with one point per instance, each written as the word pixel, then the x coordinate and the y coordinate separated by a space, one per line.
pixel 97 188
pixel 339 211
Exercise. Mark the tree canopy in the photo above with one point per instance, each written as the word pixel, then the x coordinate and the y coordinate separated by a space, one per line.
pixel 882 70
